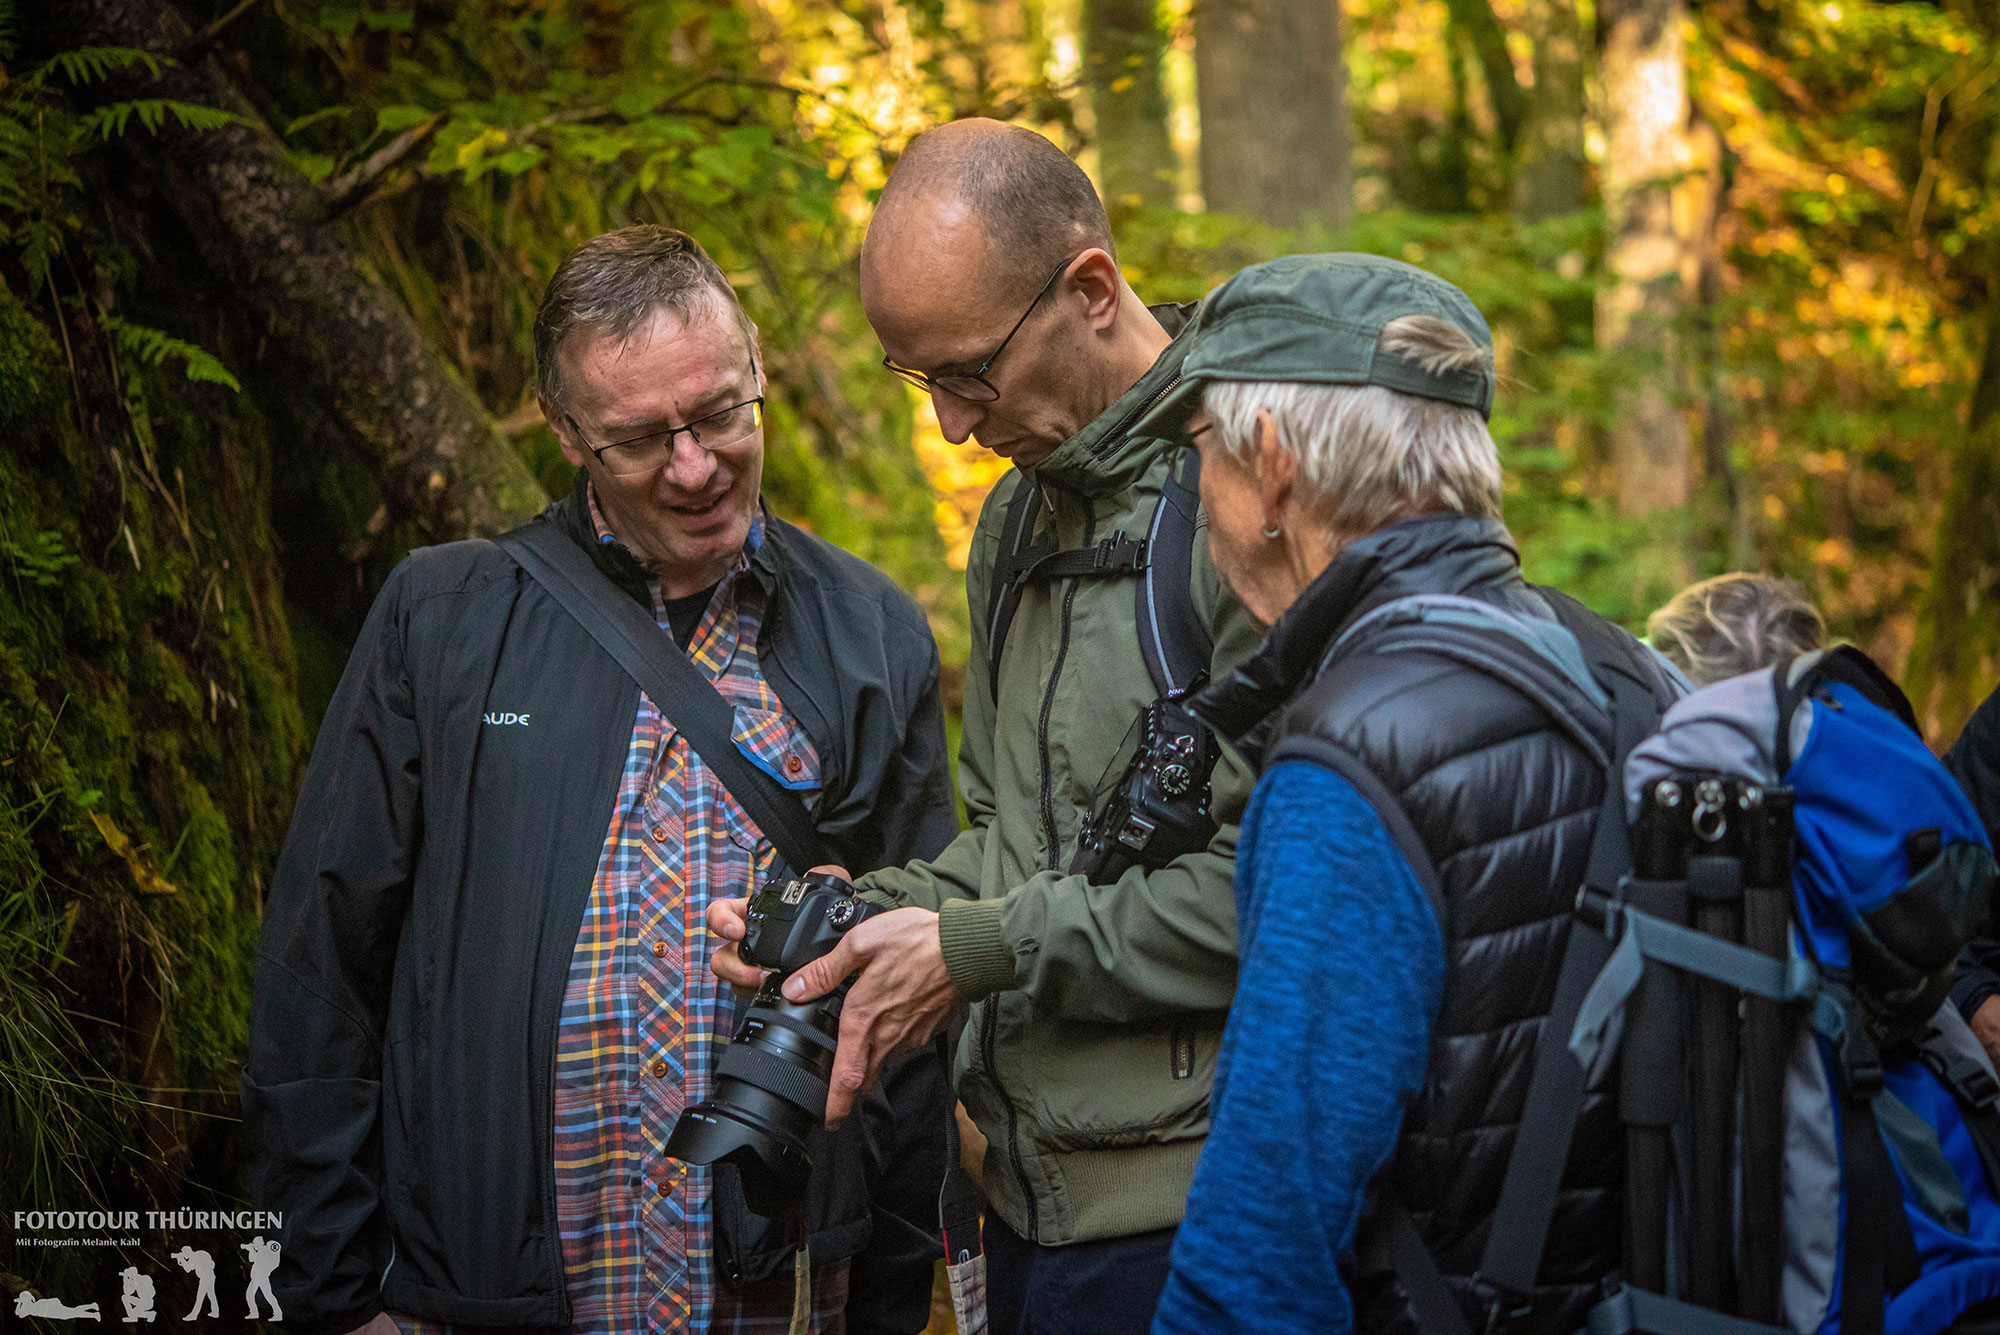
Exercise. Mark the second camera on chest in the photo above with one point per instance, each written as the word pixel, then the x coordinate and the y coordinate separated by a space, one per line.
pixel 1157 807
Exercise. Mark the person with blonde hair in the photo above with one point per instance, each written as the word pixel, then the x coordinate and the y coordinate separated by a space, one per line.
pixel 1733 624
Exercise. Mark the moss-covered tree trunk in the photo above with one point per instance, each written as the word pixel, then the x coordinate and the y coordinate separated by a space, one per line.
pixel 156 539
pixel 266 233
pixel 150 743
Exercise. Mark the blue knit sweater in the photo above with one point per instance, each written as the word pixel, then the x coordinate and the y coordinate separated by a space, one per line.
pixel 1342 970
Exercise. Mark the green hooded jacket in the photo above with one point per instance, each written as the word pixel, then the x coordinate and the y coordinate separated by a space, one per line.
pixel 1090 1050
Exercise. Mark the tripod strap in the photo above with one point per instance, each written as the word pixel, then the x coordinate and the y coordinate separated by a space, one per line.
pixel 674 685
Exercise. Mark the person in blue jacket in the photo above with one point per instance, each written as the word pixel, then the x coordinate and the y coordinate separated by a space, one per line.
pixel 1408 861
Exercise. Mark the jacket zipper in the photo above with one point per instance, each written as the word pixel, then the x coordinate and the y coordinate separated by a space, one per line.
pixel 991 1024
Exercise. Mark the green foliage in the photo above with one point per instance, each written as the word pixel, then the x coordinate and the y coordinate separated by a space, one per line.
pixel 40 557
pixel 155 346
pixel 110 120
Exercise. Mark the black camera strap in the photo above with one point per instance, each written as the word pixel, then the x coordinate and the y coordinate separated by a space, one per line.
pixel 662 670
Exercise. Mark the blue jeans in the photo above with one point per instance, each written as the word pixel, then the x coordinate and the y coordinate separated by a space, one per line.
pixel 1107 1287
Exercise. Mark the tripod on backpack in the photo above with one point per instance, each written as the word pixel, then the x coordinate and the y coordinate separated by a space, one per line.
pixel 1713 853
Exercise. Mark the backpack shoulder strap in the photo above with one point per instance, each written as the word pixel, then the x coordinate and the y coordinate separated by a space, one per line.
pixel 1602 677
pixel 1177 646
pixel 1003 592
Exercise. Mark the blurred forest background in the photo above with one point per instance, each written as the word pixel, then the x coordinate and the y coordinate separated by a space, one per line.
pixel 268 270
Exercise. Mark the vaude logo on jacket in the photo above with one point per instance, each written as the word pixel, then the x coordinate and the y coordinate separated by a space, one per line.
pixel 505 720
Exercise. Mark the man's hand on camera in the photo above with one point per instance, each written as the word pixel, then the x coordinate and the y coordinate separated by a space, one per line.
pixel 380 1324
pixel 725 920
pixel 902 998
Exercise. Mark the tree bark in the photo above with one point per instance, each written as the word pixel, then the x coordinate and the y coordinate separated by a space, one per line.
pixel 1122 47
pixel 1956 648
pixel 1646 110
pixel 1488 39
pixel 1549 166
pixel 265 231
pixel 1272 96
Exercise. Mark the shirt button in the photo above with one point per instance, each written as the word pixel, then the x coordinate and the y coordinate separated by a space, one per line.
pixel 663 1187
pixel 659 833
pixel 659 948
pixel 793 764
pixel 660 1070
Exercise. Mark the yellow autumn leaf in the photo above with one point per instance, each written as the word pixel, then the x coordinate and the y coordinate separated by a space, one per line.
pixel 148 879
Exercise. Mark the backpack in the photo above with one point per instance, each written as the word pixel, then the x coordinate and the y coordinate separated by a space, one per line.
pixel 1760 961
pixel 1176 644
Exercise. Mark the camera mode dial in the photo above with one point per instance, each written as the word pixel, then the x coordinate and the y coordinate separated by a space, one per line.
pixel 844 913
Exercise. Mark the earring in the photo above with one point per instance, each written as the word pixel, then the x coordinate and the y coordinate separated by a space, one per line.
pixel 1273 531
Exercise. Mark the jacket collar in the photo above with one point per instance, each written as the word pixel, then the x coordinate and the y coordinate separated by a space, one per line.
pixel 1446 553
pixel 1105 458
pixel 571 515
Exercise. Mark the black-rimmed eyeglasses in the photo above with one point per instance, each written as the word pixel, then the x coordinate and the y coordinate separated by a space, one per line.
pixel 642 454
pixel 973 386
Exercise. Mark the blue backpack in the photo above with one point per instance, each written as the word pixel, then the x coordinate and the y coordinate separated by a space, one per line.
pixel 1759 971
pixel 1855 1189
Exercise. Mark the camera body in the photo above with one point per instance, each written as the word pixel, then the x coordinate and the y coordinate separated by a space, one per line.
pixel 770 1083
pixel 789 924
pixel 1159 808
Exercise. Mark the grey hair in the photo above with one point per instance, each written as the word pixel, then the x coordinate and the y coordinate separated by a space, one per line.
pixel 1367 455
pixel 614 283
pixel 1733 624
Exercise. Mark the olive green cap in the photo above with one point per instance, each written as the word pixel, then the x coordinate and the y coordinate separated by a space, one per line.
pixel 1316 320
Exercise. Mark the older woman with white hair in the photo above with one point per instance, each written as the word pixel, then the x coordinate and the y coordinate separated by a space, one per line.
pixel 1407 866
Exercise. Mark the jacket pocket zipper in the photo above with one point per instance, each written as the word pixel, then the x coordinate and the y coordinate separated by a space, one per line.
pixel 1182 1043
pixel 989 1026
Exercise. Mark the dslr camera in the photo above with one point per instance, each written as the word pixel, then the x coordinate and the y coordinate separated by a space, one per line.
pixel 1158 807
pixel 771 1082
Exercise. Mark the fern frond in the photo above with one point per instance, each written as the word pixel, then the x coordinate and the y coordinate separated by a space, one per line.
pixel 94 64
pixel 155 346
pixel 110 120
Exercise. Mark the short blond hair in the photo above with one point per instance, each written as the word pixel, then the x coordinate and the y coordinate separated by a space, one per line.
pixel 1369 456
pixel 1733 624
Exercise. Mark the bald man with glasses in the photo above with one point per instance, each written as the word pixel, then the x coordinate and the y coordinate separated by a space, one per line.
pixel 1088 1015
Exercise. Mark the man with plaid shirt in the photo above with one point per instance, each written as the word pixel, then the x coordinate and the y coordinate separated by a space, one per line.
pixel 479 1011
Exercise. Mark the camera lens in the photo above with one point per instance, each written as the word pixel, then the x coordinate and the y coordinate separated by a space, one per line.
pixel 770 1092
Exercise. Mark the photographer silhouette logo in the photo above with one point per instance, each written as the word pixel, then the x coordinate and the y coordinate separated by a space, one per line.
pixel 263 1260
pixel 52 1309
pixel 202 1266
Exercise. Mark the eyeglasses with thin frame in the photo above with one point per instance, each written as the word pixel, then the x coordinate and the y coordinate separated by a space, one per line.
pixel 973 386
pixel 642 454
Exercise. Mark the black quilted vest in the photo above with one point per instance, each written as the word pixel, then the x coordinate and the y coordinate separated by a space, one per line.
pixel 1495 809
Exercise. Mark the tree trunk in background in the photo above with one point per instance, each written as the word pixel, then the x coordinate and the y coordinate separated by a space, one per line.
pixel 264 230
pixel 1122 46
pixel 1957 642
pixel 1644 76
pixel 1488 39
pixel 1709 185
pixel 1549 167
pixel 1274 123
